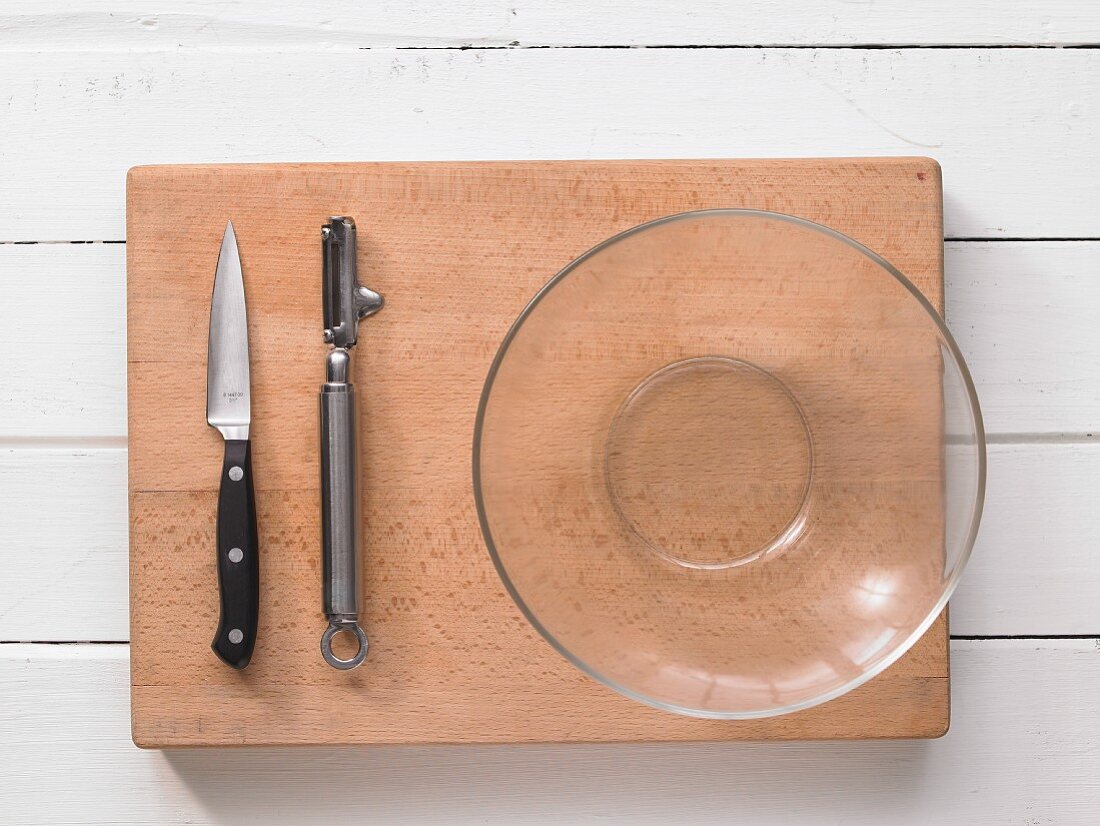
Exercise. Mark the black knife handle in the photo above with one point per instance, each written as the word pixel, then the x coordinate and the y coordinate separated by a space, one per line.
pixel 238 557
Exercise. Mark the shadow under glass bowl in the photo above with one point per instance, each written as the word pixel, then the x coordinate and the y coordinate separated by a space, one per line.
pixel 730 463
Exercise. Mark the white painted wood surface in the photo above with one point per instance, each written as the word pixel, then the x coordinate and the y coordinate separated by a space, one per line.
pixel 425 23
pixel 89 88
pixel 1026 317
pixel 64 538
pixel 64 304
pixel 1012 127
pixel 1020 751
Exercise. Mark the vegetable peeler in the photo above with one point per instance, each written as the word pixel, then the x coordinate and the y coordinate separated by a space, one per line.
pixel 345 302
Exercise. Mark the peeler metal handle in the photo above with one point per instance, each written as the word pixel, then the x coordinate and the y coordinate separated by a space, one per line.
pixel 345 302
pixel 340 510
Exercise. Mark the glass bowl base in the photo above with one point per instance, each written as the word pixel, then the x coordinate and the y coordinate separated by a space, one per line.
pixel 709 461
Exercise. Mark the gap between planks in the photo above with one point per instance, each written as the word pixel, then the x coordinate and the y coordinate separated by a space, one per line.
pixel 83 443
pixel 959 637
pixel 946 240
pixel 855 47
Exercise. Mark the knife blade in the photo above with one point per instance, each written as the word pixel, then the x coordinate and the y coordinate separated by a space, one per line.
pixel 229 410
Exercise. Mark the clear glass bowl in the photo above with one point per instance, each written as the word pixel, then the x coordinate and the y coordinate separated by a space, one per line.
pixel 730 463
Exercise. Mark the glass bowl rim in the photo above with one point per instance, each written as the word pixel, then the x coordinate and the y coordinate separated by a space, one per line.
pixel 975 516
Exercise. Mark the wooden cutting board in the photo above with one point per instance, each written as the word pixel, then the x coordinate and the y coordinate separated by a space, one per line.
pixel 457 249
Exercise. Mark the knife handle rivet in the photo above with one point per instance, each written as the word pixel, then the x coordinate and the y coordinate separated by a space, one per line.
pixel 236 554
pixel 235 636
pixel 236 474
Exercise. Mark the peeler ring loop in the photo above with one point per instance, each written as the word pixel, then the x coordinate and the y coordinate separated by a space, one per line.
pixel 335 628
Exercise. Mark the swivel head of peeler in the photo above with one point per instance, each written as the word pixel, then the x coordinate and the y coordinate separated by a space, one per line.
pixel 345 301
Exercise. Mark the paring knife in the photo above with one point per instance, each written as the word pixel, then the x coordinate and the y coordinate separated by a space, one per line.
pixel 229 409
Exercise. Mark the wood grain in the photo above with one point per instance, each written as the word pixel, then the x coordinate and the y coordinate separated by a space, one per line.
pixel 1022 746
pixel 89 88
pixel 66 542
pixel 171 24
pixel 1025 319
pixel 1021 311
pixel 85 399
pixel 457 249
pixel 65 539
pixel 139 106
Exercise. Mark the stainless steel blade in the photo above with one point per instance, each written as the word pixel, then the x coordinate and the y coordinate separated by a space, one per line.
pixel 228 396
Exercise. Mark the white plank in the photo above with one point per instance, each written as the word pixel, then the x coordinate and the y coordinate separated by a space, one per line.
pixel 1022 749
pixel 64 542
pixel 1015 129
pixel 1025 316
pixel 63 336
pixel 1035 569
pixel 1023 313
pixel 1036 565
pixel 191 23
